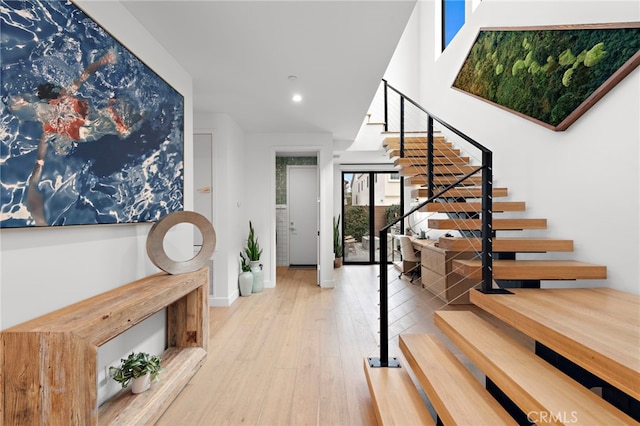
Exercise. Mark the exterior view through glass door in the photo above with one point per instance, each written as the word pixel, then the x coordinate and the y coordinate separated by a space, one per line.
pixel 371 200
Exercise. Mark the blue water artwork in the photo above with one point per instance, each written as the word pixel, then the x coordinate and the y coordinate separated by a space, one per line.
pixel 88 133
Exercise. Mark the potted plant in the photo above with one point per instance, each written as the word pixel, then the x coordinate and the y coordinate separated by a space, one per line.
pixel 245 280
pixel 253 253
pixel 252 250
pixel 337 243
pixel 139 369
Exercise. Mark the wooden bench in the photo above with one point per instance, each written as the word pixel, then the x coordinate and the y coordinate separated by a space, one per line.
pixel 456 395
pixel 396 400
pixel 541 391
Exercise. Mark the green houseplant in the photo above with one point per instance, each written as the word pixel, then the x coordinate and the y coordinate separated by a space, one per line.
pixel 252 250
pixel 253 253
pixel 138 369
pixel 337 243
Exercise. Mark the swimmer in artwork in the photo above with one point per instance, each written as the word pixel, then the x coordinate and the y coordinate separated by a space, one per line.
pixel 66 121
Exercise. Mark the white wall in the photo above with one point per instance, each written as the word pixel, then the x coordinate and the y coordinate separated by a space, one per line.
pixel 584 180
pixel 259 169
pixel 228 199
pixel 403 71
pixel 48 268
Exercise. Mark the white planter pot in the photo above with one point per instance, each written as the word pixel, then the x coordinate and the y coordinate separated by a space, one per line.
pixel 257 276
pixel 245 281
pixel 141 384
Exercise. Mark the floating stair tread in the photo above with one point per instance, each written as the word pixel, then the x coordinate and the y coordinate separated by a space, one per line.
pixel 395 398
pixel 411 142
pixel 516 245
pixel 533 269
pixel 530 382
pixel 411 145
pixel 437 159
pixel 421 153
pixel 421 180
pixel 456 395
pixel 498 206
pixel 418 140
pixel 441 170
pixel 596 328
pixel 413 132
pixel 462 192
pixel 498 224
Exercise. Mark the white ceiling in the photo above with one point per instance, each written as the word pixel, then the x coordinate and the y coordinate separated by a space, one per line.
pixel 241 53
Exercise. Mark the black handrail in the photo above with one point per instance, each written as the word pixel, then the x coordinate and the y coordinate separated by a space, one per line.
pixel 487 214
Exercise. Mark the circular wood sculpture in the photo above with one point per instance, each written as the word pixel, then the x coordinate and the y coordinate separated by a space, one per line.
pixel 155 242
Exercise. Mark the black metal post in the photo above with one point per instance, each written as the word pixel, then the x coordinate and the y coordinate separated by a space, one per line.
pixel 384 360
pixel 487 220
pixel 386 107
pixel 430 172
pixel 401 126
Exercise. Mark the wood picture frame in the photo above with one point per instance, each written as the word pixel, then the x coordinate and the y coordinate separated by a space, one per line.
pixel 550 75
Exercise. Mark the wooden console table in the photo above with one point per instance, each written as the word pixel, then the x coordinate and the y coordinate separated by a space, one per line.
pixel 49 364
pixel 437 272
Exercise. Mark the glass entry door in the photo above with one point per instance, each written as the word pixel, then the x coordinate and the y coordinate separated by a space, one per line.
pixel 371 200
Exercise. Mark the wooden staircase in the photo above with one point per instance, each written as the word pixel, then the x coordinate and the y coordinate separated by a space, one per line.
pixel 583 337
pixel 463 205
pixel 595 329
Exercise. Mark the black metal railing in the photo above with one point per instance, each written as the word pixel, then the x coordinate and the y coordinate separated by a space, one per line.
pixel 487 233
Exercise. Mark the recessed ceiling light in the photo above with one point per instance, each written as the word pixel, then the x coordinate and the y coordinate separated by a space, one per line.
pixel 297 98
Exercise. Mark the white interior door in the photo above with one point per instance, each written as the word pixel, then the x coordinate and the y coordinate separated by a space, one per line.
pixel 202 176
pixel 302 200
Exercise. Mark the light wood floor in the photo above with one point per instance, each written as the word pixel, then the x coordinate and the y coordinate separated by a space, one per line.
pixel 292 355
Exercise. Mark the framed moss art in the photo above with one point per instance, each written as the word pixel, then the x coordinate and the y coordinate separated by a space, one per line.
pixel 89 133
pixel 550 75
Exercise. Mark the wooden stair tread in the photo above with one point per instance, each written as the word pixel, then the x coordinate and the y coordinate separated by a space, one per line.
pixel 413 132
pixel 420 141
pixel 498 206
pixel 437 159
pixel 412 144
pixel 445 180
pixel 440 170
pixel 395 398
pixel 497 224
pixel 456 395
pixel 421 153
pixel 532 269
pixel 461 192
pixel 519 245
pixel 530 382
pixel 596 328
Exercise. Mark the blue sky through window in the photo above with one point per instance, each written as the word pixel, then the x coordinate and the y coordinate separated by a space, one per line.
pixel 452 19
